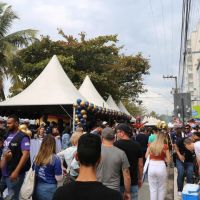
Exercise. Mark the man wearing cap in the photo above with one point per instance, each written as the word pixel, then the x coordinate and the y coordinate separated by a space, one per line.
pixel 113 162
pixel 134 155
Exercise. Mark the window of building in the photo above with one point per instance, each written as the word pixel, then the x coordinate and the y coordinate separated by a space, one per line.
pixel 189 50
pixel 190 76
pixel 188 43
pixel 189 59
pixel 190 67
pixel 190 84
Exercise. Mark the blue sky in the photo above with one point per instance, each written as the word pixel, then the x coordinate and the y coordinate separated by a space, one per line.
pixel 148 26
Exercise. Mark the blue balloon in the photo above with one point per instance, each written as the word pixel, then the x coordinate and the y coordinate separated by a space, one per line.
pixel 79 116
pixel 84 124
pixel 77 112
pixel 82 120
pixel 78 101
pixel 79 108
pixel 86 104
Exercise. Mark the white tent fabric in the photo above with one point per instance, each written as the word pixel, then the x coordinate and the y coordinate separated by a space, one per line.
pixel 151 121
pixel 90 93
pixel 51 87
pixel 123 109
pixel 112 104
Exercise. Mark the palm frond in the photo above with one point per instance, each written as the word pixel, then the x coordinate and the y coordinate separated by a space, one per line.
pixel 21 38
pixel 7 51
pixel 6 18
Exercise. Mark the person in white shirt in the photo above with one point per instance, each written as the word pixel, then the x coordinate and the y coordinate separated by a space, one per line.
pixel 69 154
pixel 193 146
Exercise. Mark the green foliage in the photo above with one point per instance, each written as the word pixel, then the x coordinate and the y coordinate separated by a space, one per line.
pixel 154 114
pixel 99 57
pixel 9 43
pixel 133 109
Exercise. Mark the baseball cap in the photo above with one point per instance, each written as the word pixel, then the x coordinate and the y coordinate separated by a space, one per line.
pixel 108 133
pixel 124 127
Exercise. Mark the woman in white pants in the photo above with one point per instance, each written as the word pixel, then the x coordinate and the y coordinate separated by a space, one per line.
pixel 157 172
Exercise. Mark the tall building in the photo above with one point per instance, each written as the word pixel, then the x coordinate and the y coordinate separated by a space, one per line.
pixel 192 67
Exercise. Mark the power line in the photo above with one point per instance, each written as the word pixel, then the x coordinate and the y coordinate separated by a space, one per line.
pixel 186 8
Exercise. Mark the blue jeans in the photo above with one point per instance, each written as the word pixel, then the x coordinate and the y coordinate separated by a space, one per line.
pixel 14 186
pixel 134 191
pixel 44 191
pixel 183 167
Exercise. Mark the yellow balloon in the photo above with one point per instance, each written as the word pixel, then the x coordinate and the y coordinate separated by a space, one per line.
pixel 85 116
pixel 82 103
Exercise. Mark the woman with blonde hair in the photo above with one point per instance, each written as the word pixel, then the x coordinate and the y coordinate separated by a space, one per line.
pixel 68 154
pixel 47 169
pixel 157 172
pixel 41 132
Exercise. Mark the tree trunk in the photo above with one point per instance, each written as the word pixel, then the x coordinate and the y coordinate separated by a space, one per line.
pixel 2 94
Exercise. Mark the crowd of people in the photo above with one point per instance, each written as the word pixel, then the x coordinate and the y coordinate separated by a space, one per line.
pixel 104 163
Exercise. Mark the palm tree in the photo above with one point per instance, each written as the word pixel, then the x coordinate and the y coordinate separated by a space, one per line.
pixel 9 44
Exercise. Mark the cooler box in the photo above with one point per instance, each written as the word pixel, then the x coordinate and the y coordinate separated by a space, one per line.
pixel 191 192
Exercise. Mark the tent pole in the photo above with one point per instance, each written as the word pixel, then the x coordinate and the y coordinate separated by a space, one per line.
pixel 66 111
pixel 73 120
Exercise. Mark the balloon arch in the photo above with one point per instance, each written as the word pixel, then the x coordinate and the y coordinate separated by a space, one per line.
pixel 84 109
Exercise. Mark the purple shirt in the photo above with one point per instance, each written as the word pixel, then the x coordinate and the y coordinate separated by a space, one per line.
pixel 25 146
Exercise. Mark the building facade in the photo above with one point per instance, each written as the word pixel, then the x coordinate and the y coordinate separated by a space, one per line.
pixel 192 67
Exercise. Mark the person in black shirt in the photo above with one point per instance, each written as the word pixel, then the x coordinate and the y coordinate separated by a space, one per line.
pixel 184 162
pixel 134 154
pixel 86 186
pixel 143 138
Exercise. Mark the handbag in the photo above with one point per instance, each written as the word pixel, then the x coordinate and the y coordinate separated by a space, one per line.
pixel 28 185
pixel 145 169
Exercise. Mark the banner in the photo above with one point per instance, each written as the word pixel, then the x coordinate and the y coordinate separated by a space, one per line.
pixel 195 111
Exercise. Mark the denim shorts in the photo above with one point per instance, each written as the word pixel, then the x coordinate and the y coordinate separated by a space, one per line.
pixel 44 191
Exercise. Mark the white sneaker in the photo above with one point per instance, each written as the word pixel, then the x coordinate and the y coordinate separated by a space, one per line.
pixel 179 194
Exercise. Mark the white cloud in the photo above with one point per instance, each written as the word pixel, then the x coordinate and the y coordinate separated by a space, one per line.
pixel 158 99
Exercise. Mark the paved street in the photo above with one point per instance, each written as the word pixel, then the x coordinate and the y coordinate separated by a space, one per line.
pixel 144 192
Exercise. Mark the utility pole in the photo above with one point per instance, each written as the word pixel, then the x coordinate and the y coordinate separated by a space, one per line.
pixel 183 111
pixel 176 84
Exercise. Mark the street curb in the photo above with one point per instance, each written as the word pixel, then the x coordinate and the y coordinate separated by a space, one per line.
pixel 176 197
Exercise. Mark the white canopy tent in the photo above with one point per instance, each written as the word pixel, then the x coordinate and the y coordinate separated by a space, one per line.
pixel 112 104
pixel 89 92
pixel 123 108
pixel 51 87
pixel 151 121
